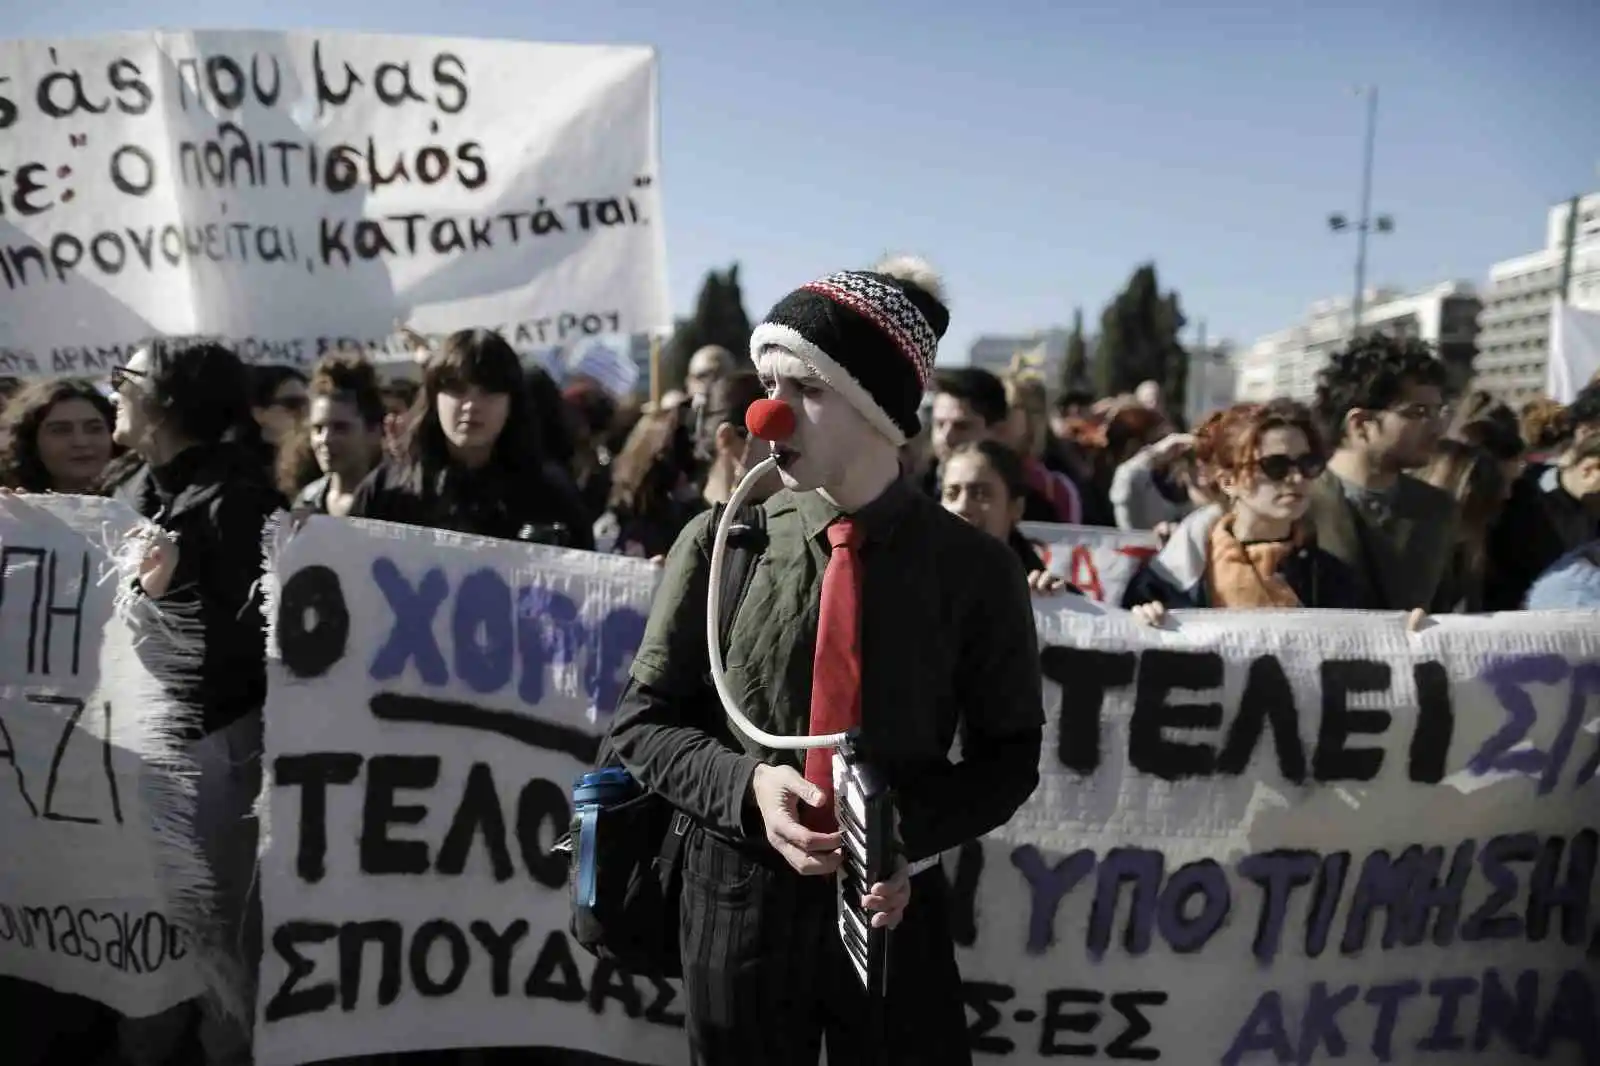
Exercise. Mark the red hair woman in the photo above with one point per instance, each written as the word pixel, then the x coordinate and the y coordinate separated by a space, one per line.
pixel 1258 551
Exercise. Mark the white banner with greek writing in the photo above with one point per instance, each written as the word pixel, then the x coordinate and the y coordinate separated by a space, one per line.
pixel 432 699
pixel 292 192
pixel 1300 836
pixel 1098 560
pixel 101 885
pixel 1260 837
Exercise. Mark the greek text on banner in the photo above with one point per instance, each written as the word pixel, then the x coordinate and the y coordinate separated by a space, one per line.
pixel 101 889
pixel 293 192
pixel 1260 838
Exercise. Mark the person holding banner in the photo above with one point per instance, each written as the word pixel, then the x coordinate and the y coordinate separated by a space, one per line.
pixel 1258 552
pixel 185 410
pixel 1380 399
pixel 929 631
pixel 985 483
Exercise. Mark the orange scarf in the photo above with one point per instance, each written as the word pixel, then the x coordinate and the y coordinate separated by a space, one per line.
pixel 1246 575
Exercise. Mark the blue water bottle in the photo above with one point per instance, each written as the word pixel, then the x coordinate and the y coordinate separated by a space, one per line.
pixel 594 792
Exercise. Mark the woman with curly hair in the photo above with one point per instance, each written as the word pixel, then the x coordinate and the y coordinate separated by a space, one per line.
pixel 1258 551
pixel 58 437
pixel 1543 423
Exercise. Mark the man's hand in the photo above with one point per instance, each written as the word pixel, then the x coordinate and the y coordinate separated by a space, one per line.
pixel 889 898
pixel 779 791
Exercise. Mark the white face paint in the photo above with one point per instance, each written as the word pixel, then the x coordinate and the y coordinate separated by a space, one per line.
pixel 830 434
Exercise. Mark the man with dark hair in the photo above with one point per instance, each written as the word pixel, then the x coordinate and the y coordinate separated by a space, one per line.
pixel 1382 402
pixel 969 404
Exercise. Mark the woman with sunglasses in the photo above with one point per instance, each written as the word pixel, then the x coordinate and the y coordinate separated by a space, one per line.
pixel 279 398
pixel 1258 551
pixel 184 409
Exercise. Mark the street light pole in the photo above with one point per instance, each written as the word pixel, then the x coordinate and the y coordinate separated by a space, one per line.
pixel 1366 211
pixel 1366 224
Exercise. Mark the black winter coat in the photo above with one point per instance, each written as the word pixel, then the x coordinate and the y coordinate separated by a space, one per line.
pixel 491 502
pixel 215 501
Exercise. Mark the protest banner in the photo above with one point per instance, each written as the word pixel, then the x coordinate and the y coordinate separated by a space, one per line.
pixel 102 887
pixel 432 698
pixel 1098 560
pixel 291 192
pixel 1299 836
pixel 1262 837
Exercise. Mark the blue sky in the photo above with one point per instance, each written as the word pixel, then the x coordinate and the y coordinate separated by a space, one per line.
pixel 1038 151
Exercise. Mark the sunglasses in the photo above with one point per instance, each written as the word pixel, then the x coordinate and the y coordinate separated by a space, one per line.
pixel 292 404
pixel 1419 412
pixel 121 375
pixel 1279 467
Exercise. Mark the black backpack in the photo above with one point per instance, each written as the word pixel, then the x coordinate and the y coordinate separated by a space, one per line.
pixel 630 915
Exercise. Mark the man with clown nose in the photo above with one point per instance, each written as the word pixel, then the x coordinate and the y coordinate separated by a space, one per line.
pixel 872 611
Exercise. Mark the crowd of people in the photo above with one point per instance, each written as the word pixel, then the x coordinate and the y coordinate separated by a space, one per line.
pixel 1382 494
pixel 1380 465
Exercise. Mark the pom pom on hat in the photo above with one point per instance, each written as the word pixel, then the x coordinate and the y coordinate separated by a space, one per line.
pixel 916 271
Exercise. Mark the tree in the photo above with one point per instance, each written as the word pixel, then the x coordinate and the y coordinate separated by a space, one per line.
pixel 1075 367
pixel 1139 340
pixel 719 318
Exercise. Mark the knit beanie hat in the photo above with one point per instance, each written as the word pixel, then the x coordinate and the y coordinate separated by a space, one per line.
pixel 870 335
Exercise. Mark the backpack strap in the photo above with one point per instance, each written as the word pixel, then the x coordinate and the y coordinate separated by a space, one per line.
pixel 747 540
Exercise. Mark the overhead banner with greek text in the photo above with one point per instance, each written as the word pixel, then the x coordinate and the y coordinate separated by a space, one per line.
pixel 1263 837
pixel 101 885
pixel 292 192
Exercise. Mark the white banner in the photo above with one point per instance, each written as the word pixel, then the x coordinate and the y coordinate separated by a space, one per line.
pixel 1574 351
pixel 1301 836
pixel 1262 837
pixel 290 192
pixel 1098 560
pixel 101 885
pixel 432 699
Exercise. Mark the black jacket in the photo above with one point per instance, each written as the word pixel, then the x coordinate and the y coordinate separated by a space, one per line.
pixel 1540 523
pixel 491 502
pixel 216 501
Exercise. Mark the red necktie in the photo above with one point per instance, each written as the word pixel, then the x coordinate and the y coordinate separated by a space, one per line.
pixel 836 669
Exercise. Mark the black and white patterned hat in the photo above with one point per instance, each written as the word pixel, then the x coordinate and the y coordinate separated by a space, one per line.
pixel 870 335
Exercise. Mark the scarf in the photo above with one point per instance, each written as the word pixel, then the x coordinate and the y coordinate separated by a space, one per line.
pixel 1246 575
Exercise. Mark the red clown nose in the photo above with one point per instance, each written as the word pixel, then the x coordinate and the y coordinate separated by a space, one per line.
pixel 771 420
